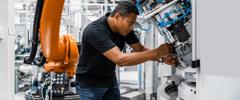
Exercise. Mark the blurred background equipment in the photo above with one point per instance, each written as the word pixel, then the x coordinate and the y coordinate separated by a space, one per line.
pixel 205 29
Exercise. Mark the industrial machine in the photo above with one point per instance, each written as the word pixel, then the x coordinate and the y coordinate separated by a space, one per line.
pixel 215 21
pixel 57 54
pixel 173 20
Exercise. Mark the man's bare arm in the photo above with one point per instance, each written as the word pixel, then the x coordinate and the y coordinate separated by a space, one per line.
pixel 138 47
pixel 127 59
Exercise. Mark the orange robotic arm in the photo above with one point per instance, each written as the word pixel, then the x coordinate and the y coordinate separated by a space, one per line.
pixel 61 52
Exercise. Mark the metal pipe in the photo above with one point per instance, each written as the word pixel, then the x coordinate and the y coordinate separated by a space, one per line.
pixel 159 9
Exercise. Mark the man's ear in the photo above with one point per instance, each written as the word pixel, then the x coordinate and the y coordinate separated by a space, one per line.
pixel 117 16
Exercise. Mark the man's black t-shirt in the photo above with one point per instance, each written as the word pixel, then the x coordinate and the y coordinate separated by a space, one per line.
pixel 94 69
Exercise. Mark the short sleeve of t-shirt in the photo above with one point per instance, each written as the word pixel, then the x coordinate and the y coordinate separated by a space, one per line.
pixel 99 39
pixel 131 38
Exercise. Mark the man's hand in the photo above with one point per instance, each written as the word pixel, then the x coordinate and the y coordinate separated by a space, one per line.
pixel 170 60
pixel 164 52
pixel 161 51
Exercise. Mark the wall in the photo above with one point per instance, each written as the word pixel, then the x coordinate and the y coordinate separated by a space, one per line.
pixel 6 50
pixel 218 31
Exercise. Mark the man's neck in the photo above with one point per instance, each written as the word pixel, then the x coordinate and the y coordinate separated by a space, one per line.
pixel 111 24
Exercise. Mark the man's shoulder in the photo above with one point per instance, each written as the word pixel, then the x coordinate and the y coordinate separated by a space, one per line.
pixel 92 29
pixel 97 25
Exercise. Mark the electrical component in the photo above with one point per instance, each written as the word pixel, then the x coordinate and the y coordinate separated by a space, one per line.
pixel 187 91
pixel 172 18
pixel 59 83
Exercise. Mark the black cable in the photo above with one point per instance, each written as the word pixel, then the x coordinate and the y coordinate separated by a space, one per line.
pixel 35 39
pixel 40 61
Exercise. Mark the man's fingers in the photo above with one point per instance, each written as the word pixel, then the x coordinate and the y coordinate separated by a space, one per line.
pixel 171 47
pixel 170 60
pixel 174 62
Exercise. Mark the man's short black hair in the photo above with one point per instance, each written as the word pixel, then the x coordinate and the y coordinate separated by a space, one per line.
pixel 124 8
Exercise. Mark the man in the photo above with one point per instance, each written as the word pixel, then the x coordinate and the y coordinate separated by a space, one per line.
pixel 102 43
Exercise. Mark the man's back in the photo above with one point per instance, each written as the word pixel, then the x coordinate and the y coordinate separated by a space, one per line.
pixel 94 68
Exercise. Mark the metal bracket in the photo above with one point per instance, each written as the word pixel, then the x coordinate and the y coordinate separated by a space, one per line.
pixel 196 63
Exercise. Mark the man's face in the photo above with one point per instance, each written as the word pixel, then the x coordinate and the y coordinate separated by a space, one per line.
pixel 124 24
